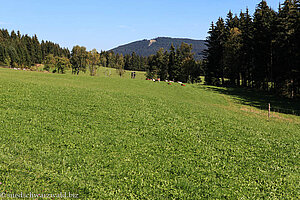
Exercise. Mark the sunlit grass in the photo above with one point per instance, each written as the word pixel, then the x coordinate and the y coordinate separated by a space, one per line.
pixel 110 137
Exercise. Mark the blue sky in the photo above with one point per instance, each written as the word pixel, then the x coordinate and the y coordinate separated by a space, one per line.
pixel 107 24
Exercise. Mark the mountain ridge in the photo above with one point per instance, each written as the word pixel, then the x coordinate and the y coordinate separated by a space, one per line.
pixel 147 47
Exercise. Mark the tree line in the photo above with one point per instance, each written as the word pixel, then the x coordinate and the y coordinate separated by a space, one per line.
pixel 23 51
pixel 83 60
pixel 259 51
pixel 176 64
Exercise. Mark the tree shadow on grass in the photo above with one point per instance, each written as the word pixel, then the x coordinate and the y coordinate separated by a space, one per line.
pixel 261 99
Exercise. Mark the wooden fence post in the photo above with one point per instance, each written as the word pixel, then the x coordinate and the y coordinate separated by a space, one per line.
pixel 269 111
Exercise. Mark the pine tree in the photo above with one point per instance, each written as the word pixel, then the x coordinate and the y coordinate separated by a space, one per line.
pixel 160 63
pixel 171 63
pixel 232 50
pixel 134 62
pixel 263 36
pixel 215 53
pixel 185 59
pixel 120 64
pixel 152 70
pixel 246 57
pixel 287 48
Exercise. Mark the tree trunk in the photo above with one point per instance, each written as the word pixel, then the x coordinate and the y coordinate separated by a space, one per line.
pixel 292 88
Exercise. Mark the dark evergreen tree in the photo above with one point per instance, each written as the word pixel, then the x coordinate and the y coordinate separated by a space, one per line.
pixel 172 63
pixel 261 53
pixel 161 64
pixel 215 68
pixel 246 51
pixel 263 35
pixel 232 50
pixel 287 48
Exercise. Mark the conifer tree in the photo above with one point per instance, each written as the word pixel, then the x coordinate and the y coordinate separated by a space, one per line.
pixel 172 63
pixel 215 53
pixel 160 63
pixel 263 22
pixel 246 57
pixel 232 50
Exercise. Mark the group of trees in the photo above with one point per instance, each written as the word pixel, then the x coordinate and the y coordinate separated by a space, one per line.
pixel 23 51
pixel 259 51
pixel 176 65
pixel 128 62
pixel 81 59
pixel 56 63
pixel 18 50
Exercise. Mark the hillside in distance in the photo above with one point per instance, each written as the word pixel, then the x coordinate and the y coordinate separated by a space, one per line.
pixel 149 47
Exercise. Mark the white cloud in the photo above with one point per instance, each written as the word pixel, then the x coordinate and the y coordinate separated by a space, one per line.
pixel 127 27
pixel 124 26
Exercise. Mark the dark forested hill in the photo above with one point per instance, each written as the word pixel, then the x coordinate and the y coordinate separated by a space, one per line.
pixel 149 47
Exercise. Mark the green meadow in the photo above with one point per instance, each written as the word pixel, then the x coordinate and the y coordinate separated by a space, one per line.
pixel 117 138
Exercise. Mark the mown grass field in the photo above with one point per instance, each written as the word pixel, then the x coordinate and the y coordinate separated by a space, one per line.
pixel 117 138
pixel 101 72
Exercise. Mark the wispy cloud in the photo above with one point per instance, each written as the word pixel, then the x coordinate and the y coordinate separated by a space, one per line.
pixel 3 23
pixel 126 27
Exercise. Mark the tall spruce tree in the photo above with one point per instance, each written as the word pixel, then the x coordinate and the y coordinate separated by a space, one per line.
pixel 172 63
pixel 263 52
pixel 215 53
pixel 232 49
pixel 160 63
pixel 263 35
pixel 246 51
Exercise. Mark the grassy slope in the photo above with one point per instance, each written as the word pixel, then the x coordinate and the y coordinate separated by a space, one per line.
pixel 102 72
pixel 115 138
